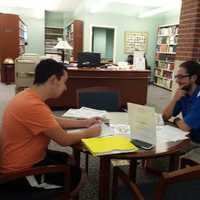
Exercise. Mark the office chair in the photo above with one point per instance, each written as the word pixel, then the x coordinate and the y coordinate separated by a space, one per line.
pixel 182 184
pixel 33 193
pixel 102 98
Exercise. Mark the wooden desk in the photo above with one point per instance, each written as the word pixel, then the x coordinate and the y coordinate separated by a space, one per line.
pixel 131 83
pixel 162 149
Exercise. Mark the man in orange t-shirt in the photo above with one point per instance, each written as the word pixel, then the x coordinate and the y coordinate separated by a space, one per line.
pixel 28 124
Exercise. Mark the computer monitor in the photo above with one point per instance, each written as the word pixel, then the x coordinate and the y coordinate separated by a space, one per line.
pixel 89 59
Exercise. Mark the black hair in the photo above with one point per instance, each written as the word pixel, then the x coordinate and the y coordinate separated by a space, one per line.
pixel 46 68
pixel 130 59
pixel 192 68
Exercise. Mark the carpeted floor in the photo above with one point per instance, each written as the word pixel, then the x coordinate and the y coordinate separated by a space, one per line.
pixel 157 97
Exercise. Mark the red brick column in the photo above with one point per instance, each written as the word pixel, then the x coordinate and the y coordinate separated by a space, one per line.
pixel 189 31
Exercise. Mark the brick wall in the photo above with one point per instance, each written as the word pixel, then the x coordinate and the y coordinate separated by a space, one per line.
pixel 189 31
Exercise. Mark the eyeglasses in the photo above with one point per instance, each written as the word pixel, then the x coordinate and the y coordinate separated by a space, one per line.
pixel 179 77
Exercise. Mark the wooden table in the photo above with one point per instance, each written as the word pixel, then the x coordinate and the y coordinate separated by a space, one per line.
pixel 132 85
pixel 161 149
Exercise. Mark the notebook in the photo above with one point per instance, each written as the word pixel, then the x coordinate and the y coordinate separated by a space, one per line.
pixel 109 145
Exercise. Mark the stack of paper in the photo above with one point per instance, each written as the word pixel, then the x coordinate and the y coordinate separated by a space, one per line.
pixel 85 113
pixel 170 134
pixel 109 145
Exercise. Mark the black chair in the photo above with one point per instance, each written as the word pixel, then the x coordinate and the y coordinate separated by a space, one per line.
pixel 183 184
pixel 33 193
pixel 130 59
pixel 102 98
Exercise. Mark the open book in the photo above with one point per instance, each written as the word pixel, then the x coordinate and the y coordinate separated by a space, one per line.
pixel 109 145
pixel 86 113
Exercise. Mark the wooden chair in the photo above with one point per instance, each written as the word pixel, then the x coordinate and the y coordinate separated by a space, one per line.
pixel 102 98
pixel 180 184
pixel 33 193
pixel 188 162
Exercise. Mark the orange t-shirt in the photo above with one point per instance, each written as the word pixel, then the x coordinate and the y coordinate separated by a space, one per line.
pixel 23 142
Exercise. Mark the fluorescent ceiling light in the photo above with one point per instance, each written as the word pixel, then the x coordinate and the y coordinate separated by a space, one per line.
pixel 153 12
pixel 97 7
pixel 157 6
pixel 157 11
pixel 145 3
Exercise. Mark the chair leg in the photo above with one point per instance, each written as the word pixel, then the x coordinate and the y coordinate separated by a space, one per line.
pixel 146 164
pixel 86 163
pixel 114 184
pixel 185 162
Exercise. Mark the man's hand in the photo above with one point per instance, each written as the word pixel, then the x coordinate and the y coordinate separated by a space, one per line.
pixel 168 110
pixel 180 123
pixel 92 121
pixel 179 94
pixel 94 130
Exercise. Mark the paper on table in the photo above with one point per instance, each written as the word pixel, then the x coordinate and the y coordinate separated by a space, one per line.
pixel 170 134
pixel 159 119
pixel 113 129
pixel 143 122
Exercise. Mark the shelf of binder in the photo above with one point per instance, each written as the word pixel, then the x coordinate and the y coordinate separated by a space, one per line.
pixel 167 40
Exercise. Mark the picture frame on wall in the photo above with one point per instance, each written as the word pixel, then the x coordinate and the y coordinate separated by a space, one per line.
pixel 135 41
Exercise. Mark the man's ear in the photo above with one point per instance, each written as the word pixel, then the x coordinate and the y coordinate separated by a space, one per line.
pixel 194 77
pixel 52 79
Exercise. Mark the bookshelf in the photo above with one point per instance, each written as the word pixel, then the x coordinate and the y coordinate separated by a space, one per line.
pixel 74 35
pixel 13 34
pixel 13 38
pixel 51 39
pixel 167 39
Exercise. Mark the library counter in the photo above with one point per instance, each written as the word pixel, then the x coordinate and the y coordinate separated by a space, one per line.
pixel 132 85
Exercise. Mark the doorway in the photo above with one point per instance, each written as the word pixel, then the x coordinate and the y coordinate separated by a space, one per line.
pixel 103 41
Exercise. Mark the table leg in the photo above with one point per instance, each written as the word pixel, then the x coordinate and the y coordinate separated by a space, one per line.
pixel 133 170
pixel 173 162
pixel 77 154
pixel 104 178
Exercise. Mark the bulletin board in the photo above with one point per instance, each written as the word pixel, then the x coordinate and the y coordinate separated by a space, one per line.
pixel 135 41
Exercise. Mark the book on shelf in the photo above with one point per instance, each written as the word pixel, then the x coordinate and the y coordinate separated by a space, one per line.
pixel 109 145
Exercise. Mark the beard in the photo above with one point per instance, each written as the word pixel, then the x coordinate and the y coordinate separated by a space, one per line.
pixel 187 87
